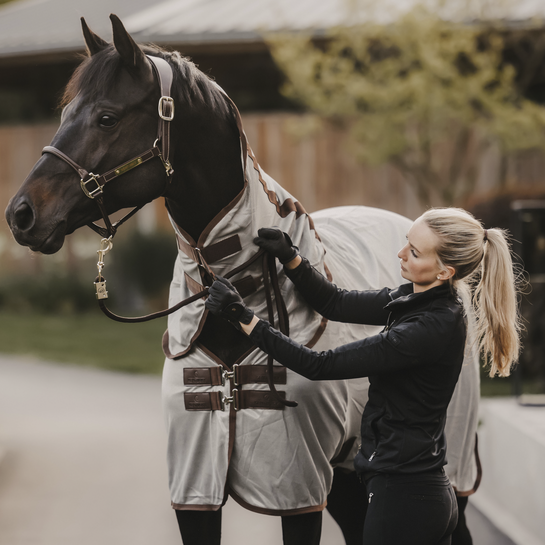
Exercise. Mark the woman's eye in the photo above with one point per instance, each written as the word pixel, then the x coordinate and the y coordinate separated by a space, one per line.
pixel 414 254
pixel 108 121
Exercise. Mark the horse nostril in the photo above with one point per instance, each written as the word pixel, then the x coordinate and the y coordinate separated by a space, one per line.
pixel 24 217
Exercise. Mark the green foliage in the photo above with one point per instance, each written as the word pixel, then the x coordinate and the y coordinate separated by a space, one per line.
pixel 423 94
pixel 138 273
pixel 53 293
pixel 56 317
pixel 143 264
pixel 84 339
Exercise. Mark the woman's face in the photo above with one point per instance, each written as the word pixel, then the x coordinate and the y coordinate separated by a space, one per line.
pixel 419 262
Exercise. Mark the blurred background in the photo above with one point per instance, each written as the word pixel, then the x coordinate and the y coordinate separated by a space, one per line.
pixel 399 105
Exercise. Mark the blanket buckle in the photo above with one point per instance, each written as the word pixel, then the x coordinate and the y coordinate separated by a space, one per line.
pixel 226 400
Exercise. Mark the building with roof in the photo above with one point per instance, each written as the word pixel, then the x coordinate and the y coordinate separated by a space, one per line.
pixel 41 40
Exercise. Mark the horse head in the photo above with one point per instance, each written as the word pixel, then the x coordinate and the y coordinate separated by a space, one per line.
pixel 110 115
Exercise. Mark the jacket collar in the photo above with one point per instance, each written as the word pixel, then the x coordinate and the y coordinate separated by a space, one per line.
pixel 404 295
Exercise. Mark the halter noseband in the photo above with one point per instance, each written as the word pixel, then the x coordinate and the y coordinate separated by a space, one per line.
pixel 95 191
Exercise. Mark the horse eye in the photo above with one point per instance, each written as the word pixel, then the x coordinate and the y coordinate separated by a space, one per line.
pixel 108 121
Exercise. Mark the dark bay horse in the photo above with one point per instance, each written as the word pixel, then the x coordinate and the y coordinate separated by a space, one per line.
pixel 271 459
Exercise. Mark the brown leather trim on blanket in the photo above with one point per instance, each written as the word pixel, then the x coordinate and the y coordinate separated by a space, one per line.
pixel 242 399
pixel 288 206
pixel 245 286
pixel 220 215
pixel 464 493
pixel 281 512
pixel 257 374
pixel 166 348
pixel 192 507
pixel 318 333
pixel 259 399
pixel 203 376
pixel 205 401
pixel 244 374
pixel 240 501
pixel 213 252
pixel 193 285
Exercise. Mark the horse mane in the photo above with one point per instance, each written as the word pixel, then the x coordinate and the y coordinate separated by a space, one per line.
pixel 98 73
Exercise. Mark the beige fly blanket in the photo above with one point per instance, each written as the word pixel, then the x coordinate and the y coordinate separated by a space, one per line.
pixel 280 460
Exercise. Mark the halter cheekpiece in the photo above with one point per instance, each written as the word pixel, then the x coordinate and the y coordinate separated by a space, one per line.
pixel 93 184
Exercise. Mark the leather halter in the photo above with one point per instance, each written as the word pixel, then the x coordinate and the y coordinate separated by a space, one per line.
pixel 93 184
pixel 164 75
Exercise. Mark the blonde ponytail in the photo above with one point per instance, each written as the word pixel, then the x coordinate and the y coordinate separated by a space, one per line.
pixel 483 264
pixel 496 307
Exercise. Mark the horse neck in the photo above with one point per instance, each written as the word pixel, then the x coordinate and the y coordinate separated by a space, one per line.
pixel 208 176
pixel 208 171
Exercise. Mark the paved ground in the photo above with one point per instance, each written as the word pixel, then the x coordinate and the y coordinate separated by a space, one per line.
pixel 82 462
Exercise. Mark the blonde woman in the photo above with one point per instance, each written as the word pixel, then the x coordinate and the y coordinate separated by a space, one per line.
pixel 412 365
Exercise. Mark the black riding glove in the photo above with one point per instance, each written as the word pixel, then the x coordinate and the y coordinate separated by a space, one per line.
pixel 225 301
pixel 277 243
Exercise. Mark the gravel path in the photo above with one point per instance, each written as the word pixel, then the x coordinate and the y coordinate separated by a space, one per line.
pixel 82 461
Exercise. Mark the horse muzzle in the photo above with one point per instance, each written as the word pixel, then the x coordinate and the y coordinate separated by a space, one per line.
pixel 22 220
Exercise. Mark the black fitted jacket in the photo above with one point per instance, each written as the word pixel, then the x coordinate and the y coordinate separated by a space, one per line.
pixel 412 365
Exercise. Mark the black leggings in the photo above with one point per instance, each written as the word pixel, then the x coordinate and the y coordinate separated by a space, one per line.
pixel 204 528
pixel 461 535
pixel 417 509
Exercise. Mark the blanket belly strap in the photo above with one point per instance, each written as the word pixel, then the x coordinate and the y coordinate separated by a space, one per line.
pixel 241 399
pixel 242 374
pixel 203 376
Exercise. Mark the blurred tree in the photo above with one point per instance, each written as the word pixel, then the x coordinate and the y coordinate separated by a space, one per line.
pixel 421 93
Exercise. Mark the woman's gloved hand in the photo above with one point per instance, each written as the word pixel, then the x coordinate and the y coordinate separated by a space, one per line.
pixel 277 243
pixel 225 301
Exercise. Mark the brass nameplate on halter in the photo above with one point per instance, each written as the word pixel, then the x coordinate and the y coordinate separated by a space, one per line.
pixel 128 166
pixel 101 290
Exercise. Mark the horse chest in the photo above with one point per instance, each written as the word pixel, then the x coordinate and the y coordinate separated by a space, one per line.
pixel 224 341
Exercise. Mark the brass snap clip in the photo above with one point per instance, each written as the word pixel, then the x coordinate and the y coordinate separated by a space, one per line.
pixel 106 245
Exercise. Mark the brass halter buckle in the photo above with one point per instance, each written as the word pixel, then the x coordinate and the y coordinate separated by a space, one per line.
pixel 93 192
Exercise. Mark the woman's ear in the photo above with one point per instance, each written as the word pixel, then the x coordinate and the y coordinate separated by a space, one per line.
pixel 446 273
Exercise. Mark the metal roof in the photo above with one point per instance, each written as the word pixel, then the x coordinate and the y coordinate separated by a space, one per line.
pixel 29 27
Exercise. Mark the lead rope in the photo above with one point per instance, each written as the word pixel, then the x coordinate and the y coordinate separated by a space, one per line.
pixel 269 268
pixel 269 265
pixel 106 245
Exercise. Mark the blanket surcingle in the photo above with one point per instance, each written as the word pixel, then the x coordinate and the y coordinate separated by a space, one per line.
pixel 271 460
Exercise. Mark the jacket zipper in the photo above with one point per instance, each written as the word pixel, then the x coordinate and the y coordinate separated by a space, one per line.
pixel 388 323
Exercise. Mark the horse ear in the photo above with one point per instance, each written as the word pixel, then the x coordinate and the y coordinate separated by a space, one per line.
pixel 93 42
pixel 129 51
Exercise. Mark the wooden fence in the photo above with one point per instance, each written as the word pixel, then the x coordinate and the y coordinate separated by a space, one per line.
pixel 317 170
